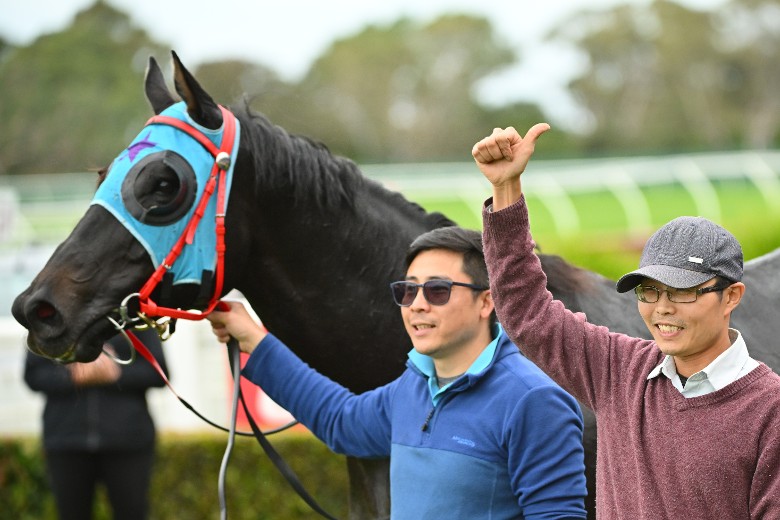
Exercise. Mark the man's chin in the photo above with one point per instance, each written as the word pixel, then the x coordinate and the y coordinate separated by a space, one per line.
pixel 669 348
pixel 426 348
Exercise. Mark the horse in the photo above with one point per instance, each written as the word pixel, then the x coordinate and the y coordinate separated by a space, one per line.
pixel 312 244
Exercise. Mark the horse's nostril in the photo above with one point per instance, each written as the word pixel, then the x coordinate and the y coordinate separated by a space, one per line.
pixel 43 316
pixel 44 310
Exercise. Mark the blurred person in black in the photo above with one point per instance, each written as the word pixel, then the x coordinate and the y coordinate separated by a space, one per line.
pixel 97 428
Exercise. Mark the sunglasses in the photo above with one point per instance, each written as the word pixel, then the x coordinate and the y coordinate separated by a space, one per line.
pixel 436 292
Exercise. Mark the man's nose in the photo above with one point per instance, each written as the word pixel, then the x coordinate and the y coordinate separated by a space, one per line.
pixel 419 301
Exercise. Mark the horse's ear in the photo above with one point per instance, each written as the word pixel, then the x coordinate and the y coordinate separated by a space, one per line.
pixel 200 106
pixel 156 91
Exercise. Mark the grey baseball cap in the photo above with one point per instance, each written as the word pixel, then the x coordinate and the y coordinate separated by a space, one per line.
pixel 687 252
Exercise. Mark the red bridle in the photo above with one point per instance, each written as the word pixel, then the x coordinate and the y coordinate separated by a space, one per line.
pixel 217 179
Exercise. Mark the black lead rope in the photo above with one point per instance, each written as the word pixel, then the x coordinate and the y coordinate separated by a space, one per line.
pixel 270 451
pixel 234 358
pixel 235 366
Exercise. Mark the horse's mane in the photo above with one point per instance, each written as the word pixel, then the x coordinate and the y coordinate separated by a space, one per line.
pixel 314 175
pixel 566 278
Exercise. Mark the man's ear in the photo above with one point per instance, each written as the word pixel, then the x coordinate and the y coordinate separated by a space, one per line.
pixel 732 295
pixel 488 306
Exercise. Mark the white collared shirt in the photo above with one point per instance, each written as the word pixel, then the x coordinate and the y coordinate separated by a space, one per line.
pixel 729 366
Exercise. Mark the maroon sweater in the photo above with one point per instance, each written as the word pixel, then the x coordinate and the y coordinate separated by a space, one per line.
pixel 660 455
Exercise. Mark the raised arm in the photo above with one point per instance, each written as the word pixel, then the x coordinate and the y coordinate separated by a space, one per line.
pixel 576 354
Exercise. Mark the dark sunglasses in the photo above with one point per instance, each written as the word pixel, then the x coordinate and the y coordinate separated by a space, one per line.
pixel 436 292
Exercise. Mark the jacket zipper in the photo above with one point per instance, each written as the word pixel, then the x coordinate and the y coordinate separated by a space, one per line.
pixel 428 419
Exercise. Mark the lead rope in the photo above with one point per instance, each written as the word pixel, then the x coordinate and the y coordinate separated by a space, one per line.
pixel 271 453
pixel 281 465
pixel 258 434
pixel 147 355
pixel 235 363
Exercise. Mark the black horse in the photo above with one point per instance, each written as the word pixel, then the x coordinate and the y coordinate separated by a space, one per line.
pixel 312 244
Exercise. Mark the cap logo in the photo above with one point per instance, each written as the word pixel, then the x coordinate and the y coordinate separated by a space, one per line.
pixel 695 259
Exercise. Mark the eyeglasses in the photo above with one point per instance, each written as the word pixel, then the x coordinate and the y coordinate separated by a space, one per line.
pixel 436 292
pixel 651 294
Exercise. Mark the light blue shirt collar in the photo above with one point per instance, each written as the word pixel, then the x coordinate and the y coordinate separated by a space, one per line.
pixel 729 366
pixel 425 365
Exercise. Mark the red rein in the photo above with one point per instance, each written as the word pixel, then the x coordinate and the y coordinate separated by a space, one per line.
pixel 216 179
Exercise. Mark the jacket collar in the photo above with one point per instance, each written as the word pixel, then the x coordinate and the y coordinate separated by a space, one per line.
pixel 496 349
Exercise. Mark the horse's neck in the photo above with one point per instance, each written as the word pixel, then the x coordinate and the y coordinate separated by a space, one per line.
pixel 755 317
pixel 760 279
pixel 317 274
pixel 325 293
pixel 765 264
pixel 306 243
pixel 316 221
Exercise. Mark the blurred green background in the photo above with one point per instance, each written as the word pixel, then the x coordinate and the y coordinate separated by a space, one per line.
pixel 676 113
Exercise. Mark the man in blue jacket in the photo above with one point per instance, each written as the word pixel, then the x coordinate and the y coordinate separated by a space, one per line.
pixel 472 428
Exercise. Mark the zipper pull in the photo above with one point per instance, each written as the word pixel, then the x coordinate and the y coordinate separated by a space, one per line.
pixel 428 419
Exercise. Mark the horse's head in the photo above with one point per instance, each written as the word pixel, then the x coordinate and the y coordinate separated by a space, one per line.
pixel 143 209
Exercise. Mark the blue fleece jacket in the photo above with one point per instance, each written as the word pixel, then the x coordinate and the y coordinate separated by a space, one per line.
pixel 502 441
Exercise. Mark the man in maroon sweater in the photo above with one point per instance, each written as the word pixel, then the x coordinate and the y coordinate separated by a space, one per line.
pixel 688 423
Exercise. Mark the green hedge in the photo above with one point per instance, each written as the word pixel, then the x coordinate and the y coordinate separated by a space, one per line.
pixel 185 480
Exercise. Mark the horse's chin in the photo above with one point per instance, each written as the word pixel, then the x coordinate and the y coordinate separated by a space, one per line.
pixel 87 347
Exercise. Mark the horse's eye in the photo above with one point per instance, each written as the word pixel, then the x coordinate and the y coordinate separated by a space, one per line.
pixel 166 187
pixel 160 188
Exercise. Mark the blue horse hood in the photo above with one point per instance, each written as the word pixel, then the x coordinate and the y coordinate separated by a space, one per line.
pixel 158 240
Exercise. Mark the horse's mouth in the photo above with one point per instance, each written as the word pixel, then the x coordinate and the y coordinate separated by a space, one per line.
pixel 85 348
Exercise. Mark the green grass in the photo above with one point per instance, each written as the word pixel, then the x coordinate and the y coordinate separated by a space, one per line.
pixel 604 242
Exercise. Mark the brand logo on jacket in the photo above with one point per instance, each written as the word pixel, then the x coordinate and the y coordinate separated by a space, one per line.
pixel 465 442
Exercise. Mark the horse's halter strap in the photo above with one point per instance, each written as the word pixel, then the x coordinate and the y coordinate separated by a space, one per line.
pixel 222 159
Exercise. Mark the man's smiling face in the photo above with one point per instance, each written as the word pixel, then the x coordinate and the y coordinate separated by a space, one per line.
pixel 695 332
pixel 445 331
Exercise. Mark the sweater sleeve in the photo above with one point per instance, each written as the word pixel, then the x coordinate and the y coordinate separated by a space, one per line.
pixel 356 425
pixel 576 354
